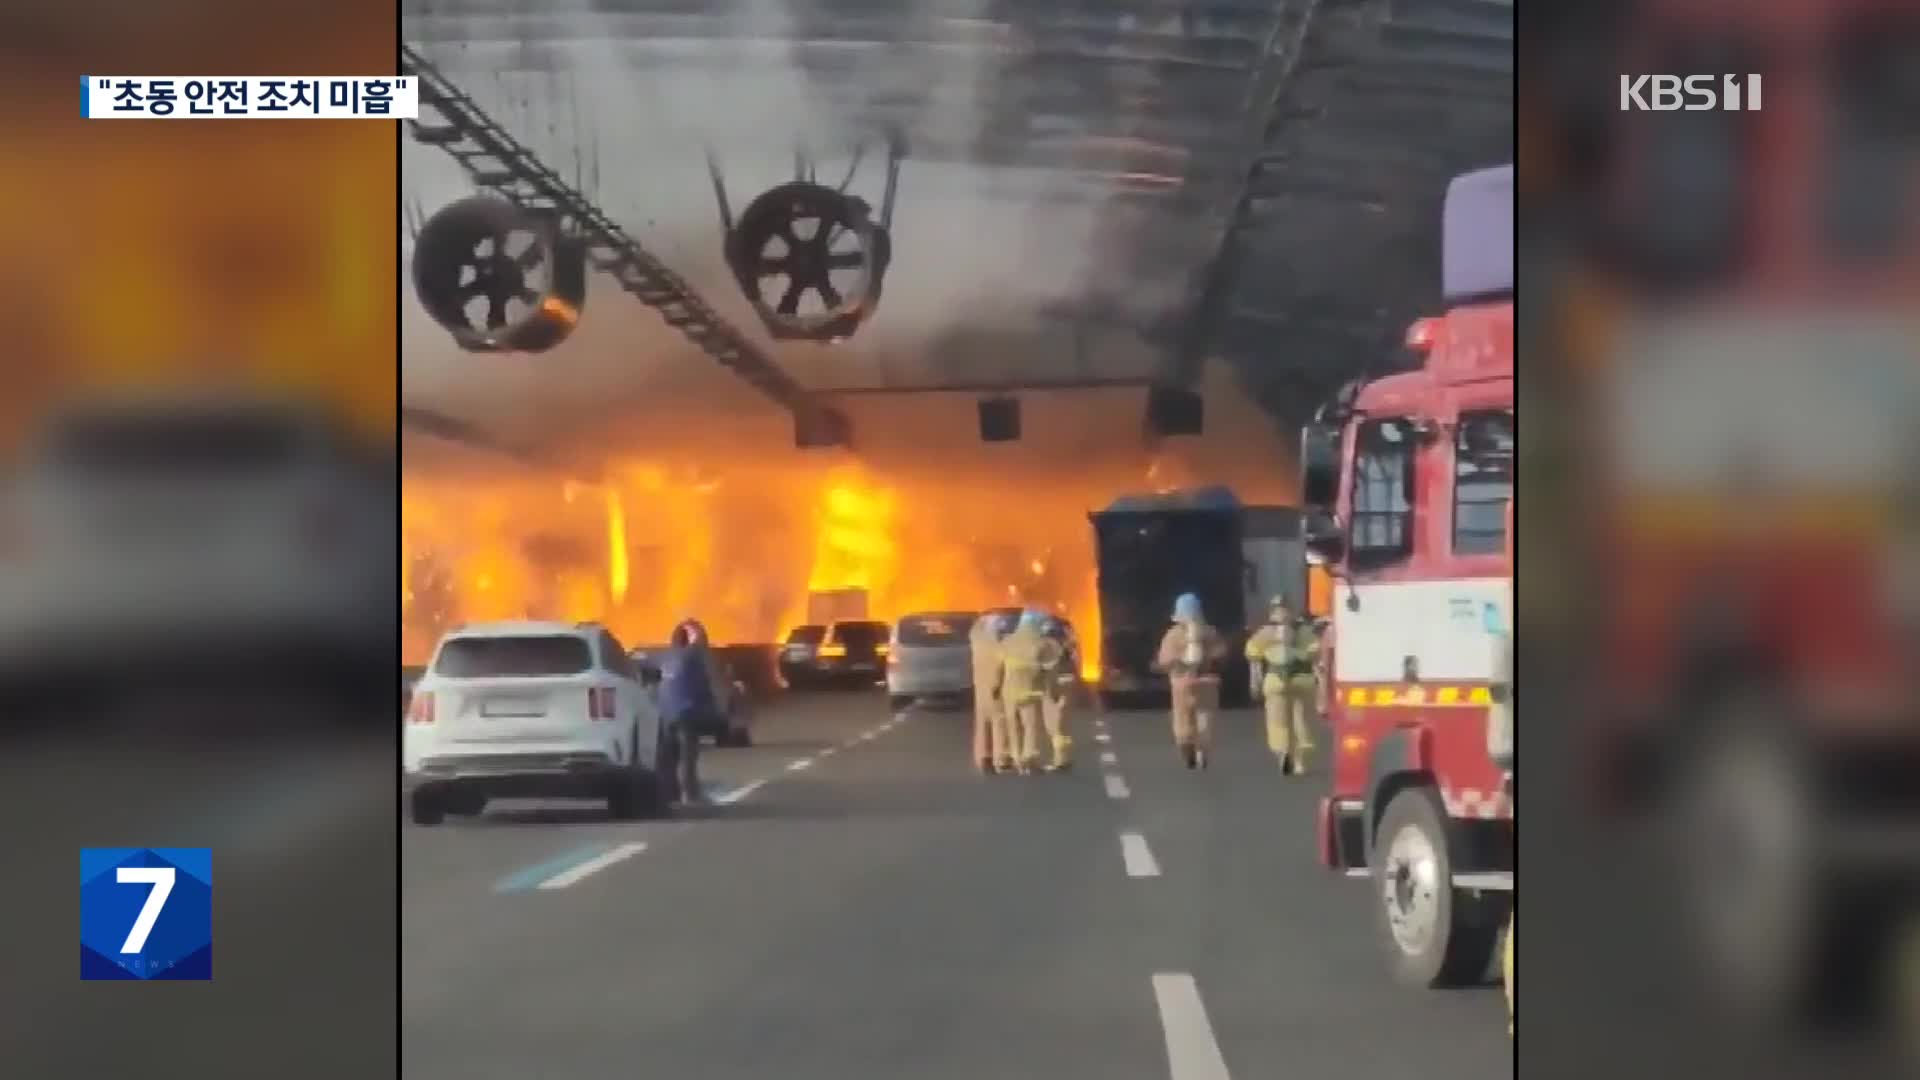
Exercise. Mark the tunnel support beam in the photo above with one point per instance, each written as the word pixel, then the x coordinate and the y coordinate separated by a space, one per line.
pixel 1220 277
pixel 498 162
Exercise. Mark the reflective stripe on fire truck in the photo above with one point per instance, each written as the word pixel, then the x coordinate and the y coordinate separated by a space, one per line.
pixel 1473 803
pixel 1463 697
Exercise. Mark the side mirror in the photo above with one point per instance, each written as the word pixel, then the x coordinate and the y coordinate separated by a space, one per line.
pixel 1325 538
pixel 1319 466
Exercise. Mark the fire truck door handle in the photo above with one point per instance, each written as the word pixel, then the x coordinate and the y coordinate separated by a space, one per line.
pixel 1410 668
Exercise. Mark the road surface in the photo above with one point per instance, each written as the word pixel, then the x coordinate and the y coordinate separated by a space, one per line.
pixel 860 903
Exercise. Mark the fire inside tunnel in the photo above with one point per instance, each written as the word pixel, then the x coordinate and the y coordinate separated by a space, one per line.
pixel 742 545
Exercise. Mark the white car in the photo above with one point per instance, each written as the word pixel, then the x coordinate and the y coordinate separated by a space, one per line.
pixel 195 533
pixel 930 655
pixel 532 710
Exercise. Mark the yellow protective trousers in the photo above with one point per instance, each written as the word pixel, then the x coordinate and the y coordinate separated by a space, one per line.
pixel 1506 969
pixel 1024 722
pixel 1195 699
pixel 1291 706
pixel 1053 713
pixel 991 743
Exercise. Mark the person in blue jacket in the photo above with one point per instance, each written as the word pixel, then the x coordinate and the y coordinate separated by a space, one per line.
pixel 686 696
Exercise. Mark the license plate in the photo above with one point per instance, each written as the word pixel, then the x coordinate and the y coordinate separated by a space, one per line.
pixel 511 707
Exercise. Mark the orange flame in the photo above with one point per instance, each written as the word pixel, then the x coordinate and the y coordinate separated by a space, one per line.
pixel 742 543
pixel 661 543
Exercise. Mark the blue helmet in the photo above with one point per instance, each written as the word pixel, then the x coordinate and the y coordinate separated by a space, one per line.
pixel 1004 623
pixel 1187 607
pixel 1032 619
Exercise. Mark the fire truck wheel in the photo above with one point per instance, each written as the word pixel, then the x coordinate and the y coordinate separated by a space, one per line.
pixel 1745 828
pixel 1432 937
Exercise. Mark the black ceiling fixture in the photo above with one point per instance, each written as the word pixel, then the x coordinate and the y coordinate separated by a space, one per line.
pixel 496 162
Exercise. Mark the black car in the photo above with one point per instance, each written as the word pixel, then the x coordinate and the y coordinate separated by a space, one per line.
pixel 853 653
pixel 800 656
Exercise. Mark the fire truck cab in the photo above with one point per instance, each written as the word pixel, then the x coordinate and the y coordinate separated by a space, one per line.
pixel 1408 483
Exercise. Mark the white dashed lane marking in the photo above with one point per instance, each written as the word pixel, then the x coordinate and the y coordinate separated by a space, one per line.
pixel 1138 856
pixel 1117 786
pixel 1102 737
pixel 1108 757
pixel 593 866
pixel 728 798
pixel 1192 1051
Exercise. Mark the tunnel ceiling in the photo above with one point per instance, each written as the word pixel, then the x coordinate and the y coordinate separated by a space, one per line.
pixel 1268 175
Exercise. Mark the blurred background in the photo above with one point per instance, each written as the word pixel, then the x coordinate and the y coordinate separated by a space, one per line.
pixel 197 529
pixel 1718 347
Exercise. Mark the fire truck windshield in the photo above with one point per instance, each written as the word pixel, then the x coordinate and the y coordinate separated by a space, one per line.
pixel 1482 482
pixel 1687 216
pixel 1864 198
pixel 1382 492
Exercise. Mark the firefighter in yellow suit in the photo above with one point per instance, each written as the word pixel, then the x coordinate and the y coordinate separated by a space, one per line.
pixel 1061 683
pixel 1282 658
pixel 1506 966
pixel 1190 653
pixel 992 746
pixel 1028 660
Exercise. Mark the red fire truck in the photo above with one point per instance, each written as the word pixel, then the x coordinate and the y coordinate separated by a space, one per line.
pixel 1408 481
pixel 1743 330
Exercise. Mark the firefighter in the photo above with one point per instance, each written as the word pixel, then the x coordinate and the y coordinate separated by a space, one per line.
pixel 1283 664
pixel 992 750
pixel 1506 969
pixel 1190 654
pixel 1028 660
pixel 1053 706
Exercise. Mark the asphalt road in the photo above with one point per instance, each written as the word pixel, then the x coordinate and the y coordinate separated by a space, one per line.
pixel 883 911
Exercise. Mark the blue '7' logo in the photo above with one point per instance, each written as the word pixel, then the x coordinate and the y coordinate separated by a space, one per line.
pixel 146 913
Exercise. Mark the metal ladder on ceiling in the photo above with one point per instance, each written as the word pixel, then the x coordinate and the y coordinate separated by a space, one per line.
pixel 496 161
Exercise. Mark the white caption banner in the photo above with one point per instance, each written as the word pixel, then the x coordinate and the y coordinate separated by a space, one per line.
pixel 223 97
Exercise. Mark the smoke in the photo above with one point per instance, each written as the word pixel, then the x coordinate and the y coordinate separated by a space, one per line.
pixel 722 515
pixel 626 104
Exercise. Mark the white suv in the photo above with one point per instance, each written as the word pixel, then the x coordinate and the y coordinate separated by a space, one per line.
pixel 532 710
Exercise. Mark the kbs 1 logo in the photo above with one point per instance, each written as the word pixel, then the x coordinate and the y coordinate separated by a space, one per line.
pixel 1692 93
pixel 146 913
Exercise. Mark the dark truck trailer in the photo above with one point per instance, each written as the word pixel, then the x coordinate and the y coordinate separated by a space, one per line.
pixel 1149 550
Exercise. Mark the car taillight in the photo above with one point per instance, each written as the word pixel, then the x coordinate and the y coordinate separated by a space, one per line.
pixel 831 651
pixel 600 703
pixel 420 709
